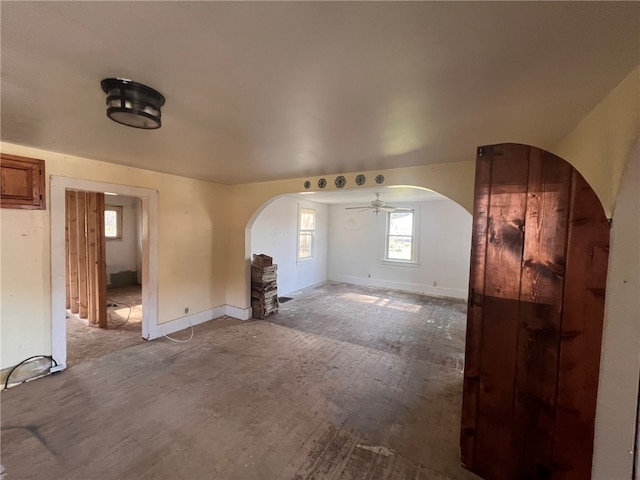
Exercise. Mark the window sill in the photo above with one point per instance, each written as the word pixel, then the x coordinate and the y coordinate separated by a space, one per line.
pixel 400 263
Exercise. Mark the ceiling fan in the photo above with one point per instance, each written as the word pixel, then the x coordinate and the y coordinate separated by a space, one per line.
pixel 376 207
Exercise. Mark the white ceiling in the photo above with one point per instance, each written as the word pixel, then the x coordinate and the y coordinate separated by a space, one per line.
pixel 363 196
pixel 268 90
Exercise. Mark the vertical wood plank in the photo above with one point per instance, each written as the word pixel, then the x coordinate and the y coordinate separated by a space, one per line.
pixel 474 311
pixel 581 336
pixel 72 208
pixel 67 293
pixel 541 289
pixel 92 255
pixel 493 450
pixel 101 258
pixel 83 288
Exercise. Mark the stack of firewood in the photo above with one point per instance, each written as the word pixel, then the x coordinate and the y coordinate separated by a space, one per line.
pixel 264 287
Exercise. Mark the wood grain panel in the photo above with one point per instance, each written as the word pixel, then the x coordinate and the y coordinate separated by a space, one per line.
pixel 581 336
pixel 66 252
pixel 22 182
pixel 539 314
pixel 509 173
pixel 474 311
pixel 92 257
pixel 83 265
pixel 101 258
pixel 72 262
pixel 534 333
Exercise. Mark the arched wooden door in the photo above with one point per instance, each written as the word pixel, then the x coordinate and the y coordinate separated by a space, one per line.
pixel 536 305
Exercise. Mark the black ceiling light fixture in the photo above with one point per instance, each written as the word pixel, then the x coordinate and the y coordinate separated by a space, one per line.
pixel 132 104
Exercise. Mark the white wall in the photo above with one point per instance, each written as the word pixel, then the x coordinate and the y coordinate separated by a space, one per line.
pixel 619 369
pixel 123 253
pixel 356 249
pixel 275 233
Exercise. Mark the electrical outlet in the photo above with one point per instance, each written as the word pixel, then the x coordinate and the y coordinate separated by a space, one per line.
pixel 186 309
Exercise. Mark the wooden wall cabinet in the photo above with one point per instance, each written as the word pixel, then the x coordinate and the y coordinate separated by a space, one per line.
pixel 22 183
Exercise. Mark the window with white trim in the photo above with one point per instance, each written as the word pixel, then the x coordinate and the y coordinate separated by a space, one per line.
pixel 113 222
pixel 400 236
pixel 306 233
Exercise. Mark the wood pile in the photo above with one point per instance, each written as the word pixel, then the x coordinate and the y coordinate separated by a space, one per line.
pixel 264 290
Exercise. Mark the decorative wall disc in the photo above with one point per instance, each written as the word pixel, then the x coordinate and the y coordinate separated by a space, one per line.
pixel 379 179
pixel 340 181
pixel 322 183
pixel 360 179
pixel 307 184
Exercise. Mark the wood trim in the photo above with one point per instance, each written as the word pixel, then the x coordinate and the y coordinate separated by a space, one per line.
pixel 22 182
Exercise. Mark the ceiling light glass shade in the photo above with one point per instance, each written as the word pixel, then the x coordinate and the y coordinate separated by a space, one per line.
pixel 132 104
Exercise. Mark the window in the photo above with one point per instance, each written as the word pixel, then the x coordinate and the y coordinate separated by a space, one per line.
pixel 113 222
pixel 400 241
pixel 306 233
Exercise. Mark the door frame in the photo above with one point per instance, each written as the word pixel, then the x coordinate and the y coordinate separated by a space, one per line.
pixel 149 198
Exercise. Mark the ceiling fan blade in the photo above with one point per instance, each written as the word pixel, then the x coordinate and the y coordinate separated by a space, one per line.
pixel 388 209
pixel 354 208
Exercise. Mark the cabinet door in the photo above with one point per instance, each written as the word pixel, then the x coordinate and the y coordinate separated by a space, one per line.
pixel 534 325
pixel 22 182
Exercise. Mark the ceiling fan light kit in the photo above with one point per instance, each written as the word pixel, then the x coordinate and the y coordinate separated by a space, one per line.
pixel 376 207
pixel 133 104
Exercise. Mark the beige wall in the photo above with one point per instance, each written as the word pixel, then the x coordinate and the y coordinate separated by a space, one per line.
pixel 601 143
pixel 191 258
pixel 25 319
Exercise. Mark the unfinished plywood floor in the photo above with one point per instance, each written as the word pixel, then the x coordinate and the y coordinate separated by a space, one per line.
pixel 86 342
pixel 282 398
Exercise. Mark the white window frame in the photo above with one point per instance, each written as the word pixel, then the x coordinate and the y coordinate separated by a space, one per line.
pixel 413 262
pixel 118 209
pixel 311 232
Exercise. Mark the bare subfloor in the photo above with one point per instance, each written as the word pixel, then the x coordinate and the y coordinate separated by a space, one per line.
pixel 124 328
pixel 344 383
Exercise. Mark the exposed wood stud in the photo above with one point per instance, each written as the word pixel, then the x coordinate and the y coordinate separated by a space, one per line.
pixel 83 266
pixel 72 262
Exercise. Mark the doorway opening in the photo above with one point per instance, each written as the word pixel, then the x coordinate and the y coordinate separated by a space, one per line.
pixel 103 247
pixel 381 323
pixel 118 309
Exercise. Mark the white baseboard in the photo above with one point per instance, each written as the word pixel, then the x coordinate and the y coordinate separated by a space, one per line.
pixel 172 326
pixel 405 287
pixel 239 313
